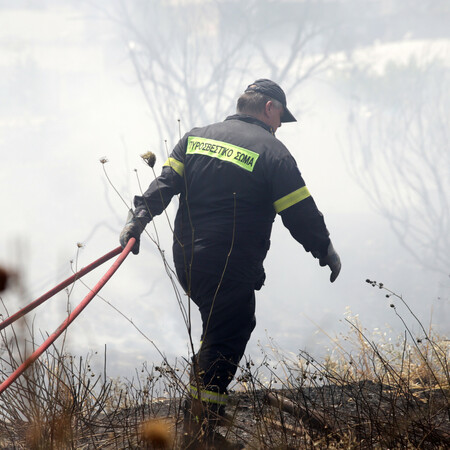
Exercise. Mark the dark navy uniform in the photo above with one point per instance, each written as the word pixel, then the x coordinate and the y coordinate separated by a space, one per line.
pixel 233 177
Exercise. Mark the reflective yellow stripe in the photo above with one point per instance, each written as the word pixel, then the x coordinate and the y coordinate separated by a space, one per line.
pixel 175 165
pixel 242 157
pixel 209 396
pixel 291 199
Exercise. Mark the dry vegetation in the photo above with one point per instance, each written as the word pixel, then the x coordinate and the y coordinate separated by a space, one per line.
pixel 369 392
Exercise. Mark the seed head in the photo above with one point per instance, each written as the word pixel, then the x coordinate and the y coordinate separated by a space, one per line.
pixel 149 158
pixel 156 433
pixel 103 160
pixel 5 278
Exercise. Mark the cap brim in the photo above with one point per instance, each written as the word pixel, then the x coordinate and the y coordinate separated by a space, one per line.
pixel 287 116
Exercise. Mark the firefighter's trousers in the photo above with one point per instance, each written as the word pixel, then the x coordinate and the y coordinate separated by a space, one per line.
pixel 227 309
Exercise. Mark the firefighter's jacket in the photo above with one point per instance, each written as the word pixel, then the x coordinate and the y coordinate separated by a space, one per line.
pixel 233 177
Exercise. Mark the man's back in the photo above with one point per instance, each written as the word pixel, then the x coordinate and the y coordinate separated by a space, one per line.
pixel 227 198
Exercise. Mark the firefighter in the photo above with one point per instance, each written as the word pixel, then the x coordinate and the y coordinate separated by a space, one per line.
pixel 233 178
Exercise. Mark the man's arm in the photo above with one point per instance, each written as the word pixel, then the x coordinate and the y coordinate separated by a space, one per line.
pixel 301 216
pixel 307 226
pixel 159 194
pixel 155 199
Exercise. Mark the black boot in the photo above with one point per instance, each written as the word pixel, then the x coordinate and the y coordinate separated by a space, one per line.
pixel 200 422
pixel 193 426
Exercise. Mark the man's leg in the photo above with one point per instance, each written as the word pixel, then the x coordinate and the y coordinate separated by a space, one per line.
pixel 228 317
pixel 227 309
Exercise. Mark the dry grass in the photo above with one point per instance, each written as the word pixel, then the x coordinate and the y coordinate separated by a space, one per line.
pixel 372 391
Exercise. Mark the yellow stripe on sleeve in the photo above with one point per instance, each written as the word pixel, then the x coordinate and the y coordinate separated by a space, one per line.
pixel 291 199
pixel 175 165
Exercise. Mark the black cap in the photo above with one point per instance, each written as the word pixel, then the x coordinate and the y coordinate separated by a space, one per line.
pixel 272 90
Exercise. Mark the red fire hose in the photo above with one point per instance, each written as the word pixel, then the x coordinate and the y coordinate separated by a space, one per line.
pixel 74 314
pixel 59 287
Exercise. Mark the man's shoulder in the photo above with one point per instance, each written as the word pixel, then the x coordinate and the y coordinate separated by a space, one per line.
pixel 244 133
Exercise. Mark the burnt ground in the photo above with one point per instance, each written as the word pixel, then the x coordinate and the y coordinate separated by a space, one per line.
pixel 358 415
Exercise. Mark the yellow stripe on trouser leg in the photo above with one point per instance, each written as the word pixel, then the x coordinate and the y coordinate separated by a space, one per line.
pixel 209 396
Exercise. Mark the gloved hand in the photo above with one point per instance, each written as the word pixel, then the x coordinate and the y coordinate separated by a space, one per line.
pixel 133 228
pixel 331 260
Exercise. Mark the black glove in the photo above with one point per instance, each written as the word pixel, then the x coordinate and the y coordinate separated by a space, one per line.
pixel 331 260
pixel 133 228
